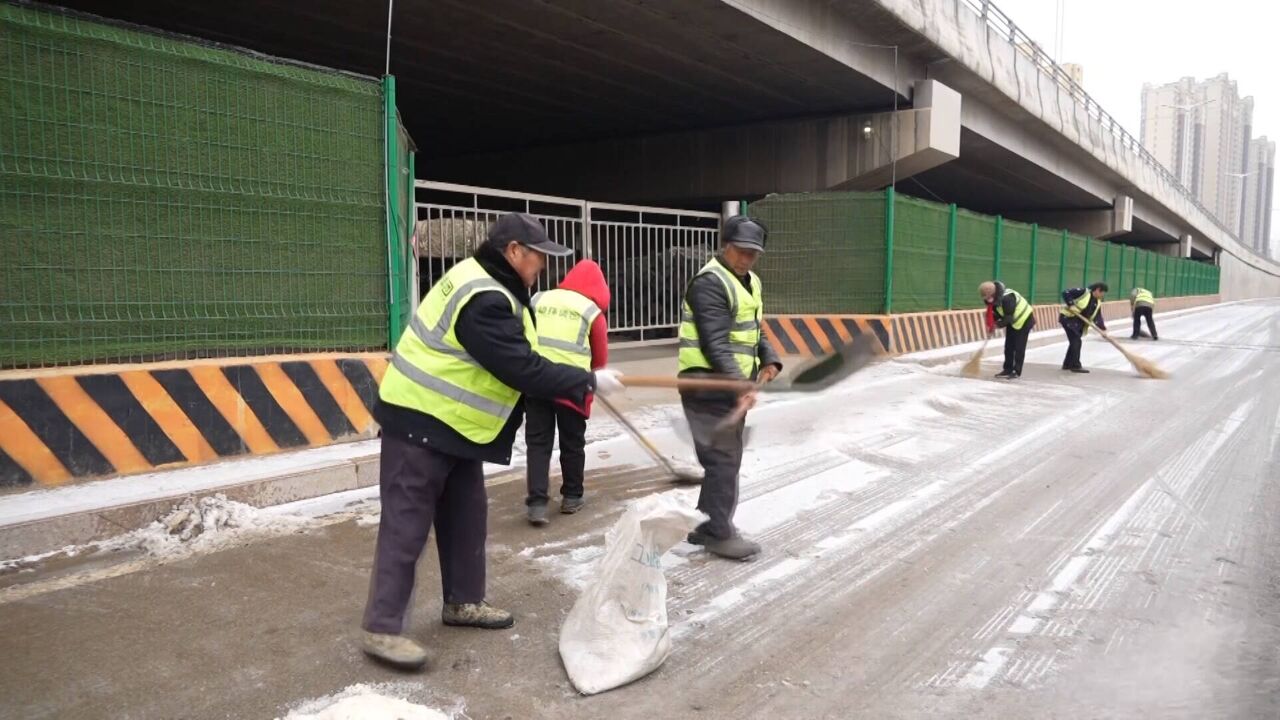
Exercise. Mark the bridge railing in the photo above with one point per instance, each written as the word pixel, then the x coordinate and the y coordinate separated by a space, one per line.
pixel 998 21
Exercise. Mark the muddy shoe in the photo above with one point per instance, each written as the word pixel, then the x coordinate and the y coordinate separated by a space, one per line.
pixel 697 538
pixel 734 548
pixel 537 514
pixel 481 615
pixel 1079 370
pixel 396 650
pixel 1006 375
pixel 571 505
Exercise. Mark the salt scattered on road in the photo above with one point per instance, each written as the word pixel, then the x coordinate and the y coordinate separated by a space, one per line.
pixel 365 702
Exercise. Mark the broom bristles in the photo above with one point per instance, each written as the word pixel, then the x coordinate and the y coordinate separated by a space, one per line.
pixel 973 366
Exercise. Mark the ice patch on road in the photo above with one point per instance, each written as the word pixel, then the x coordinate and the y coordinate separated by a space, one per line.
pixel 368 702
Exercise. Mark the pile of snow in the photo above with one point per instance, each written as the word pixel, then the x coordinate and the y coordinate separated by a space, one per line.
pixel 204 524
pixel 365 702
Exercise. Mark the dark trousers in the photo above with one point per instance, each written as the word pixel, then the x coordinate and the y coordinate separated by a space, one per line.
pixel 542 418
pixel 420 486
pixel 720 455
pixel 1015 346
pixel 1075 338
pixel 1144 311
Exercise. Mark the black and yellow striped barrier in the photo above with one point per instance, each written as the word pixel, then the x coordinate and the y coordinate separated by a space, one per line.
pixel 57 426
pixel 810 335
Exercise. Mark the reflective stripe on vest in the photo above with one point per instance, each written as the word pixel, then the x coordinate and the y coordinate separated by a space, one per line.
pixel 430 371
pixel 1021 311
pixel 1081 303
pixel 747 309
pixel 564 322
pixel 1144 297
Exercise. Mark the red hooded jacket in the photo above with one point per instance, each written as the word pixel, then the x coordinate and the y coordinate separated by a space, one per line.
pixel 586 279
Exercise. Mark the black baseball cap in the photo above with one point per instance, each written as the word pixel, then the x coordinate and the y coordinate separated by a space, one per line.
pixel 526 230
pixel 745 232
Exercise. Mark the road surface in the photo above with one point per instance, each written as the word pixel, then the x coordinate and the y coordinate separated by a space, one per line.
pixel 1062 546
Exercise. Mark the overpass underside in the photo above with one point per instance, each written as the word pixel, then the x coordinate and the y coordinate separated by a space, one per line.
pixel 678 102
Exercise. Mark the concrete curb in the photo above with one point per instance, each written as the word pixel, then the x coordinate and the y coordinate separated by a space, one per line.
pixel 76 528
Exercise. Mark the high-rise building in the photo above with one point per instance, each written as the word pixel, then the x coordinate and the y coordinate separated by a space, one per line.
pixel 1201 131
pixel 1259 184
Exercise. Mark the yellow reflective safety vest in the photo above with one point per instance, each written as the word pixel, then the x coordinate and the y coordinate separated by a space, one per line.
pixel 1143 296
pixel 1021 312
pixel 564 323
pixel 431 372
pixel 1080 304
pixel 747 309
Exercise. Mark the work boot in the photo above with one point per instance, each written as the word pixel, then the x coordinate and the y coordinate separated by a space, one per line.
pixel 1007 374
pixel 734 548
pixel 1133 337
pixel 396 650
pixel 1079 370
pixel 480 615
pixel 571 505
pixel 537 514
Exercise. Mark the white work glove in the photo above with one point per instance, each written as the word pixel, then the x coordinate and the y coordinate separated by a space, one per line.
pixel 609 382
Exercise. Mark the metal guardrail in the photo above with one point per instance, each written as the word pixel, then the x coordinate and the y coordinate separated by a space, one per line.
pixel 998 21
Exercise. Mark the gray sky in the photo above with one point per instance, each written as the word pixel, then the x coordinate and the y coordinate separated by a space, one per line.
pixel 1124 43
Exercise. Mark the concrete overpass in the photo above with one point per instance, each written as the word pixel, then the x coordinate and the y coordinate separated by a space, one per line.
pixel 692 102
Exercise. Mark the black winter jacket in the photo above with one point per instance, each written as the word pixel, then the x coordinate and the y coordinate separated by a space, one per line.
pixel 494 336
pixel 710 303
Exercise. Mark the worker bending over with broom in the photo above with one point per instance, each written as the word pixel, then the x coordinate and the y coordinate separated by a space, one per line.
pixel 1081 303
pixel 1142 303
pixel 721 334
pixel 1008 309
pixel 572 331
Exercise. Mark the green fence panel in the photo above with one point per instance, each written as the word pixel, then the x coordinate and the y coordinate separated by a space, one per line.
pixel 1096 269
pixel 975 256
pixel 1111 254
pixel 920 255
pixel 1048 256
pixel 826 252
pixel 168 199
pixel 1015 256
pixel 1076 275
pixel 1131 269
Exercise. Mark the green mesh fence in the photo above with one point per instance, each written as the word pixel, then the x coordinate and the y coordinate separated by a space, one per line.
pixel 919 255
pixel 826 252
pixel 159 198
pixel 827 255
pixel 1015 256
pixel 1048 264
pixel 975 256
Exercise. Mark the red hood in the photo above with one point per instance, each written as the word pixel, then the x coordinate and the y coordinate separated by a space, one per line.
pixel 586 279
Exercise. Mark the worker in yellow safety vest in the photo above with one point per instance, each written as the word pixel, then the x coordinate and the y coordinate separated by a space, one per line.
pixel 1009 310
pixel 1142 303
pixel 450 401
pixel 572 330
pixel 1080 304
pixel 722 334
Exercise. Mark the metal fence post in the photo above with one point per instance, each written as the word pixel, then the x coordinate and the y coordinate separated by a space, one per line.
pixel 391 196
pixel 888 250
pixel 995 268
pixel 1062 266
pixel 951 255
pixel 1031 284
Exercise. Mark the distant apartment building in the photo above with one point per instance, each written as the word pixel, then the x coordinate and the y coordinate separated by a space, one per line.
pixel 1259 187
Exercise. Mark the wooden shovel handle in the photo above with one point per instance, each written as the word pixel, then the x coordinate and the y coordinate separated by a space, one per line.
pixel 666 381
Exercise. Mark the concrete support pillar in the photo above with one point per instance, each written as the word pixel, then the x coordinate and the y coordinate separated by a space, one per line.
pixel 1184 245
pixel 729 208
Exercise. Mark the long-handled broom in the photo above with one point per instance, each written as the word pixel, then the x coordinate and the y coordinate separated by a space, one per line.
pixel 1141 364
pixel 973 367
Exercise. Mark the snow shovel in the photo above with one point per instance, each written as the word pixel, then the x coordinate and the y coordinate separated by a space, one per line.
pixel 812 375
pixel 680 476
pixel 1141 364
